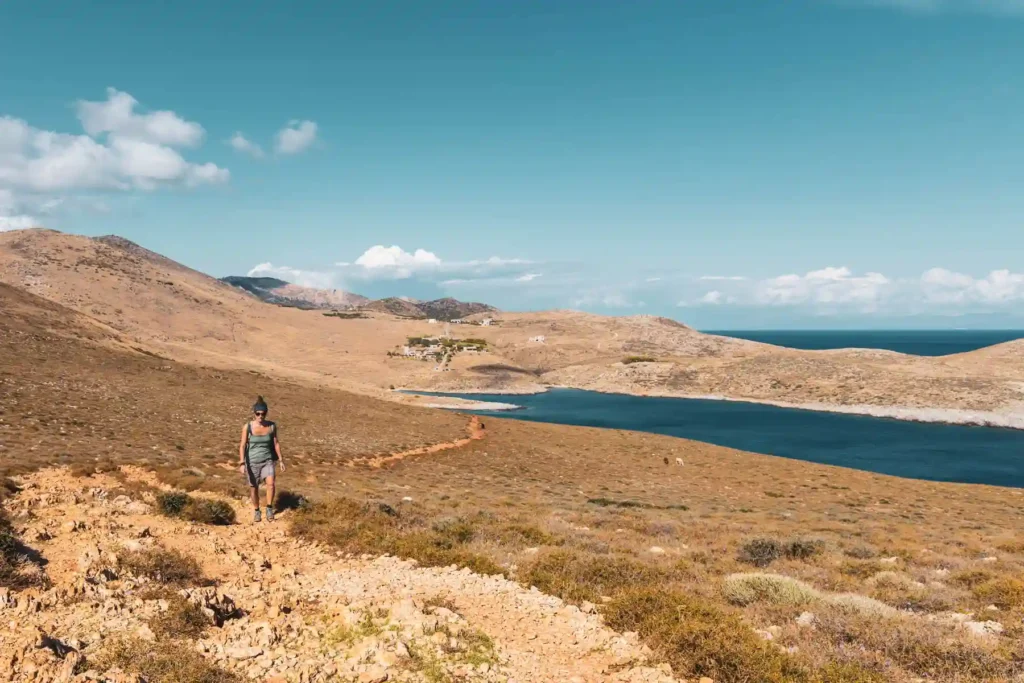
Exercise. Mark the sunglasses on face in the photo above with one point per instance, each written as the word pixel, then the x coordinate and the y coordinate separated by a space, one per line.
pixel 261 413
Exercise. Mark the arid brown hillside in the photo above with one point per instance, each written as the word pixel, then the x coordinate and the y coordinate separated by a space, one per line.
pixel 73 392
pixel 790 571
pixel 172 310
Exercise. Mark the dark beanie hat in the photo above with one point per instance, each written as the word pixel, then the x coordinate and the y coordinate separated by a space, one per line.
pixel 259 405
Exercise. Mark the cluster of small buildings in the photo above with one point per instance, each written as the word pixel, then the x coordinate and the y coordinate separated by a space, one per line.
pixel 422 351
pixel 486 322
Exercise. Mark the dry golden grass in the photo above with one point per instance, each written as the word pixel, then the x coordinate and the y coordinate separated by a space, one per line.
pixel 380 528
pixel 572 510
pixel 165 661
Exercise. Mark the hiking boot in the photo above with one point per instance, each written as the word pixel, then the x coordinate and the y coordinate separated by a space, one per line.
pixel 270 514
pixel 257 516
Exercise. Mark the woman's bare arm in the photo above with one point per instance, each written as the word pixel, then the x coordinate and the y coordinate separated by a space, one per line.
pixel 277 449
pixel 241 446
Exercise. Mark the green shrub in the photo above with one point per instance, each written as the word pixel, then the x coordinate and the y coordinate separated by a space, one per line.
pixel 182 618
pixel 746 589
pixel 629 360
pixel 969 578
pixel 166 566
pixel 452 532
pixel 761 552
pixel 700 639
pixel 1004 592
pixel 172 503
pixel 380 528
pixel 576 576
pixel 16 560
pixel 803 548
pixel 205 511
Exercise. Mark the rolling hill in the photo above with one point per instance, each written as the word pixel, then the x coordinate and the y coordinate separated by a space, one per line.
pixel 156 304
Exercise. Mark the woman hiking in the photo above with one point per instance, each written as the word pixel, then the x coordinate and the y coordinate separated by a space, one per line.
pixel 257 453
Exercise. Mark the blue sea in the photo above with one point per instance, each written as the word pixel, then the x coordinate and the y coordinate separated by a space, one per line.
pixel 978 455
pixel 916 342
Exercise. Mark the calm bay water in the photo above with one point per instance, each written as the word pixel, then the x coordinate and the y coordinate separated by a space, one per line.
pixel 980 455
pixel 916 342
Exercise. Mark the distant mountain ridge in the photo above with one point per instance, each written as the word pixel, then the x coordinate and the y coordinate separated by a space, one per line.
pixel 283 293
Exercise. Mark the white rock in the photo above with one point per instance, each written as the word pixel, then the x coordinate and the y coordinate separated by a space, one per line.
pixel 656 550
pixel 242 653
pixel 806 619
pixel 984 628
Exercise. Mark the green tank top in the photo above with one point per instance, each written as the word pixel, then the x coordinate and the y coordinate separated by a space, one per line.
pixel 260 448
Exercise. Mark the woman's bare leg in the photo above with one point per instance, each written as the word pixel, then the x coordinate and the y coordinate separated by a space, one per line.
pixel 254 496
pixel 269 481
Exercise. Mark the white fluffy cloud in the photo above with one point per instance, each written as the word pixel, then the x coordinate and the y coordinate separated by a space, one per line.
pixel 306 278
pixel 17 222
pixel 825 286
pixel 941 286
pixel 296 137
pixel 381 263
pixel 117 116
pixel 242 144
pixel 121 150
pixel 395 263
pixel 954 6
pixel 835 289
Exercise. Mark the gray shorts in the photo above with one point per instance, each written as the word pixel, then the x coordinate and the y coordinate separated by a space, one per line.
pixel 258 472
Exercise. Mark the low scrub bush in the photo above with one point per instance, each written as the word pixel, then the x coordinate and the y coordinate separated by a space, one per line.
pixel 19 567
pixel 182 618
pixel 848 672
pixel 576 576
pixel 524 534
pixel 629 360
pixel 854 603
pixel 169 567
pixel 203 510
pixel 172 503
pixel 290 500
pixel 206 511
pixel 860 569
pixel 775 589
pixel 746 589
pixel 861 552
pixel 162 662
pixel 380 528
pixel 969 578
pixel 761 552
pixel 1004 592
pixel 923 648
pixel 700 639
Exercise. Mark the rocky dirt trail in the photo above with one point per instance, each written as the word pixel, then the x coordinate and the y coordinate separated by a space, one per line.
pixel 475 431
pixel 289 610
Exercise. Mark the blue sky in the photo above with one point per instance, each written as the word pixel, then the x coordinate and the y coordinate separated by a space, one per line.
pixel 808 163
